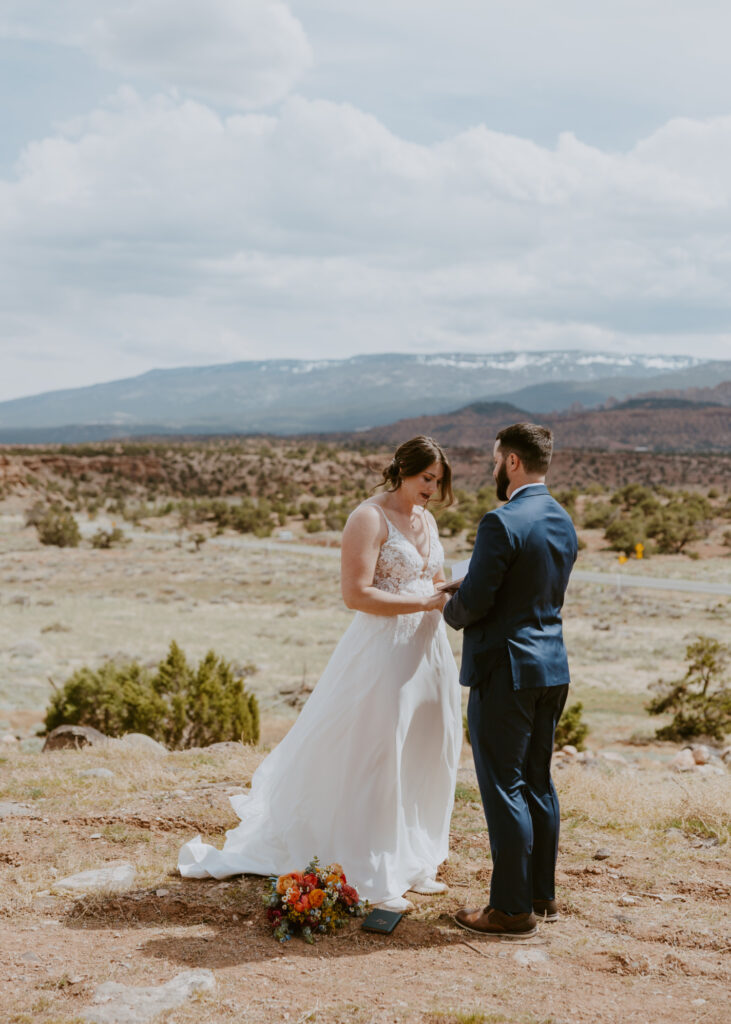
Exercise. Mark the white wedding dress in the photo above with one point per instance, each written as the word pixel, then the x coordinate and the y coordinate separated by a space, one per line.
pixel 366 775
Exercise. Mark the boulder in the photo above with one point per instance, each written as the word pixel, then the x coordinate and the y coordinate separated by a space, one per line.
pixel 113 878
pixel 142 742
pixel 613 758
pixel 701 754
pixel 74 737
pixel 96 773
pixel 683 761
pixel 9 809
pixel 115 1003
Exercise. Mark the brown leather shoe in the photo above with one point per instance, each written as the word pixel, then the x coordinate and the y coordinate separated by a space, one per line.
pixel 494 924
pixel 546 910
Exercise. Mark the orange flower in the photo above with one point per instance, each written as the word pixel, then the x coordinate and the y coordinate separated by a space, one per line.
pixel 293 895
pixel 317 898
pixel 335 869
pixel 285 882
pixel 332 879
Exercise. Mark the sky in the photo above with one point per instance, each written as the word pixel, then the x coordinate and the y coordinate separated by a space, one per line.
pixel 187 182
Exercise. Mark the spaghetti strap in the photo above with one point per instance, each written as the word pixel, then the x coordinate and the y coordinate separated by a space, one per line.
pixel 376 505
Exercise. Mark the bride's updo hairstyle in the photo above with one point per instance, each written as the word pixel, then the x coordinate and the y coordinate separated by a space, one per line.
pixel 413 457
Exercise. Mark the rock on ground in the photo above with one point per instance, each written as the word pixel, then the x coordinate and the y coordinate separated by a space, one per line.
pixel 96 773
pixel 114 877
pixel 683 761
pixel 142 742
pixel 9 809
pixel 126 1004
pixel 74 737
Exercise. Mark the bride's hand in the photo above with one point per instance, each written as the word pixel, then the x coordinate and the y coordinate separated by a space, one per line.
pixel 436 601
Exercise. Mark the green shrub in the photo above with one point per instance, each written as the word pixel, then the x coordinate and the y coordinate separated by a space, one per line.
pixel 178 705
pixel 251 516
pixel 624 533
pixel 308 508
pixel 701 700
pixel 567 498
pixel 57 526
pixel 571 728
pixel 109 538
pixel 313 525
pixel 598 515
pixel 680 522
pixel 451 521
pixel 636 496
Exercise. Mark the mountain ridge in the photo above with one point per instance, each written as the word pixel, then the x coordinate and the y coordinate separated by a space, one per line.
pixel 352 394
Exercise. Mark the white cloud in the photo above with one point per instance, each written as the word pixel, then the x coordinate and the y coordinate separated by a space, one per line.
pixel 243 53
pixel 239 53
pixel 156 231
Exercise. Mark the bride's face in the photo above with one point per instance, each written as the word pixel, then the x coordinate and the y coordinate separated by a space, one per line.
pixel 420 489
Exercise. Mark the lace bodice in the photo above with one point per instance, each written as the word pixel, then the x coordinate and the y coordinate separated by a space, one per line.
pixel 401 568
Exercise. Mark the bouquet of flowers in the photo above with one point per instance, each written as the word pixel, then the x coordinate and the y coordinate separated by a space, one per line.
pixel 316 900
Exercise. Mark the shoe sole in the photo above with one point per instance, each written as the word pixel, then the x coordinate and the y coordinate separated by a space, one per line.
pixel 499 936
pixel 550 918
pixel 428 892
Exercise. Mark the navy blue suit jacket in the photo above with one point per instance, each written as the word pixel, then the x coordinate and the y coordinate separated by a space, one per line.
pixel 510 601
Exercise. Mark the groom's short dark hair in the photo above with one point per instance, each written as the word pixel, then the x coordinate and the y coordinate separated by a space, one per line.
pixel 532 444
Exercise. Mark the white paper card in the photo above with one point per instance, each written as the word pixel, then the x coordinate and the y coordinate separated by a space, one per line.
pixel 459 569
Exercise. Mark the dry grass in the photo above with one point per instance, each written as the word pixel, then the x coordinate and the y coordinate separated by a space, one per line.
pixel 611 958
pixel 638 804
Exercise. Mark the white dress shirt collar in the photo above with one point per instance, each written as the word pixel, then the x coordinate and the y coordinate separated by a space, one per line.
pixel 519 489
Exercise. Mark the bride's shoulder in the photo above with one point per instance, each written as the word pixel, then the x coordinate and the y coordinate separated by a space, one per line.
pixel 368 517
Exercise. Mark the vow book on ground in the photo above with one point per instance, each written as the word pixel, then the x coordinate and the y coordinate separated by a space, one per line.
pixel 382 921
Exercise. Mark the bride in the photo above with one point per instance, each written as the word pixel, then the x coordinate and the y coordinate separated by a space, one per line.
pixel 366 775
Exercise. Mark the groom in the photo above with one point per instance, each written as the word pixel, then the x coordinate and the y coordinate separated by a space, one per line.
pixel 514 662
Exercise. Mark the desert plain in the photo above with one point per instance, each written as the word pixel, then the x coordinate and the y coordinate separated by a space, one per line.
pixel 644 873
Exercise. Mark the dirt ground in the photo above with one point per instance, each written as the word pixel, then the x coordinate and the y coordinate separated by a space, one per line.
pixel 644 934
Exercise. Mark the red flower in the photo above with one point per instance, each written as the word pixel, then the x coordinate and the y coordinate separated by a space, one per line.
pixel 310 881
pixel 349 895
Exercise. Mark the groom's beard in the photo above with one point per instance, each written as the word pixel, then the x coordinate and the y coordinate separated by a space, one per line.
pixel 502 482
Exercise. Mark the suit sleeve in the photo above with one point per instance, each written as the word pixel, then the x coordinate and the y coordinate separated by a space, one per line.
pixel 490 560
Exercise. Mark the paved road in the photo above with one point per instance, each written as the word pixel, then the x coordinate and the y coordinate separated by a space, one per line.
pixel 621 580
pixel 611 579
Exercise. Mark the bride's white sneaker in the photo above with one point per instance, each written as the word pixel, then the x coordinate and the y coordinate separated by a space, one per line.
pixel 397 903
pixel 428 887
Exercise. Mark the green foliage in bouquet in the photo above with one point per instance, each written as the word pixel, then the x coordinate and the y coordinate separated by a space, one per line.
pixel 178 705
pixel 701 700
pixel 58 527
pixel 571 729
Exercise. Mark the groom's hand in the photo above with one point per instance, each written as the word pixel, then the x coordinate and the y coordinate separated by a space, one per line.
pixel 449 588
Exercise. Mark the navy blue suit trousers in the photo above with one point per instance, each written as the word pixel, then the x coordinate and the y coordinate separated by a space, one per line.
pixel 512 733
